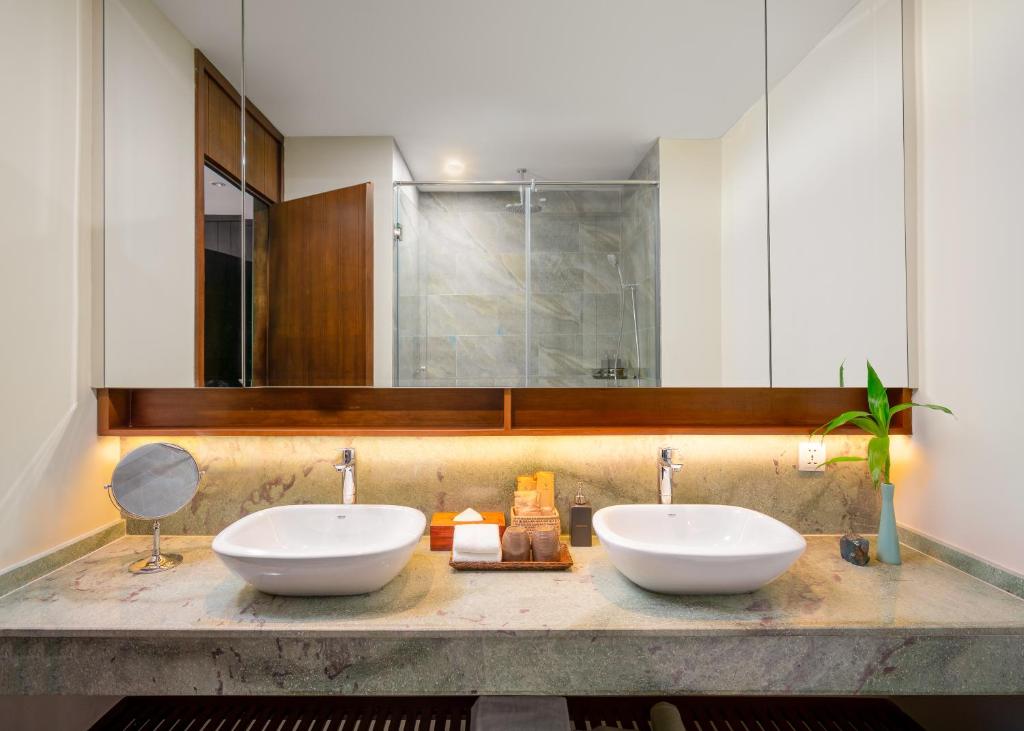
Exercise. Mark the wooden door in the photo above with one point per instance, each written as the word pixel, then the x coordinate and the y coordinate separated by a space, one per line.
pixel 313 291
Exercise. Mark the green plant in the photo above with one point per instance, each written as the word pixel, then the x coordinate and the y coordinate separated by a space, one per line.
pixel 875 421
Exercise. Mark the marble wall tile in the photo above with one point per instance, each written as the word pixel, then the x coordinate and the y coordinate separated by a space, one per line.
pixel 428 382
pixel 582 201
pixel 649 363
pixel 422 358
pixel 411 312
pixel 478 383
pixel 558 354
pixel 599 274
pixel 497 274
pixel 488 356
pixel 483 201
pixel 555 232
pixel 438 275
pixel 557 313
pixel 476 314
pixel 244 474
pixel 555 273
pixel 601 313
pixel 495 232
pixel 601 234
pixel 511 313
pixel 411 279
pixel 579 380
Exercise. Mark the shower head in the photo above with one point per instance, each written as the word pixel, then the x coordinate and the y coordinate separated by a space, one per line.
pixel 520 207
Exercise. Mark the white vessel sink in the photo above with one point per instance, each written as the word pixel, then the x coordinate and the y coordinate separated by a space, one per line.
pixel 697 549
pixel 321 550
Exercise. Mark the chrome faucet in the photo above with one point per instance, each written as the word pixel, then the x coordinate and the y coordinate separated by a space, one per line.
pixel 666 472
pixel 347 468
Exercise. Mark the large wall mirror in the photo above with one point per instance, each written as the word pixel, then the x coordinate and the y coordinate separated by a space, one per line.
pixel 588 193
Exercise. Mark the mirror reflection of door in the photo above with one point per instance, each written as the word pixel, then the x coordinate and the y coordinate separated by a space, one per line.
pixel 312 299
pixel 222 281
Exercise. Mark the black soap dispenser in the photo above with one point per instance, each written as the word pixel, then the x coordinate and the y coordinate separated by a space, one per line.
pixel 581 520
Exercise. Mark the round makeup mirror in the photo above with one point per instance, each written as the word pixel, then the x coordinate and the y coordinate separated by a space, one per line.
pixel 150 483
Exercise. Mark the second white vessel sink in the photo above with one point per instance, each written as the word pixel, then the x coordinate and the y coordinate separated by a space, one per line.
pixel 697 549
pixel 321 550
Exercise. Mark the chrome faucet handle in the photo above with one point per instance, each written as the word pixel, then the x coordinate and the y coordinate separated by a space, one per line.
pixel 348 459
pixel 666 469
pixel 347 470
pixel 665 456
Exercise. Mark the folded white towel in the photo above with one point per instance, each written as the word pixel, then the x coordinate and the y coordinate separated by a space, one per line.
pixel 491 557
pixel 519 713
pixel 468 516
pixel 480 539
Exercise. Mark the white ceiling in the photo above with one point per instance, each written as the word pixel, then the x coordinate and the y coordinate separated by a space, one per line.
pixel 567 88
pixel 221 195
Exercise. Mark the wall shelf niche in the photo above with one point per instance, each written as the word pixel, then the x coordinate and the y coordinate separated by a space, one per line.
pixel 358 411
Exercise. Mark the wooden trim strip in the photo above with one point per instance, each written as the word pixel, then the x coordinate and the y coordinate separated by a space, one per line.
pixel 201 65
pixel 477 412
pixel 506 425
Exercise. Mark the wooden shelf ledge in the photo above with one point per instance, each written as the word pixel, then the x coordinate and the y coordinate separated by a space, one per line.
pixel 359 411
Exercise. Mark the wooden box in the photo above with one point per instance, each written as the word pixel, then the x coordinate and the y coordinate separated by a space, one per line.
pixel 442 529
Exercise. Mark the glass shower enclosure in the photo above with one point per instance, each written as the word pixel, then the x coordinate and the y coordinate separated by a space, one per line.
pixel 526 283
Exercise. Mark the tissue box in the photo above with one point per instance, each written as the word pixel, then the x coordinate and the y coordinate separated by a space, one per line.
pixel 442 529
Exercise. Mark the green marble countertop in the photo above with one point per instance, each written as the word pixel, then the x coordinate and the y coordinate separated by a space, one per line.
pixel 915 628
pixel 821 593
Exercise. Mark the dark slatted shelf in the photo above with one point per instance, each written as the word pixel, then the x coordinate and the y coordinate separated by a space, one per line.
pixel 746 714
pixel 240 713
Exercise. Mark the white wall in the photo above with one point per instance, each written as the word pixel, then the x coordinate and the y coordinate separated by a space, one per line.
pixel 690 205
pixel 838 271
pixel 963 483
pixel 150 198
pixel 745 325
pixel 318 164
pixel 52 465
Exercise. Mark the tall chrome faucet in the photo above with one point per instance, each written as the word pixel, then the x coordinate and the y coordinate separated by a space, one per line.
pixel 347 468
pixel 666 474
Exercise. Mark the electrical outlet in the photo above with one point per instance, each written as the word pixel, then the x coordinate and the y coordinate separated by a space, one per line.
pixel 812 456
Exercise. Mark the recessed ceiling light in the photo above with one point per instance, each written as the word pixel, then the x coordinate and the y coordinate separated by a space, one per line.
pixel 454 167
pixel 218 184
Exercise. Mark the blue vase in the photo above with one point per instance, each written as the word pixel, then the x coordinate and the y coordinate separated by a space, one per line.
pixel 888 538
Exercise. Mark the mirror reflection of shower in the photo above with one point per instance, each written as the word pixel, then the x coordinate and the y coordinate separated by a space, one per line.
pixel 528 281
pixel 614 366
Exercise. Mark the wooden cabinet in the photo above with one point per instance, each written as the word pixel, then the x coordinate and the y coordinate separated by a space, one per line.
pixel 217 135
pixel 218 144
pixel 263 154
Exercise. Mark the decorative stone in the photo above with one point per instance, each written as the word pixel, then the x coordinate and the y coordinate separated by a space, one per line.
pixel 853 547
